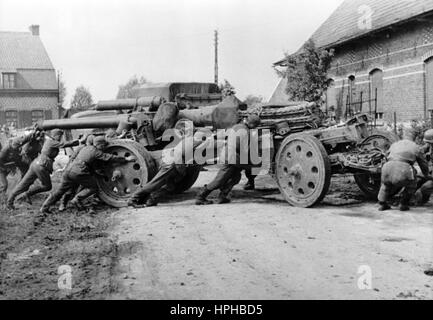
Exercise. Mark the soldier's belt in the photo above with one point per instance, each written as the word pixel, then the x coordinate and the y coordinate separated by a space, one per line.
pixel 404 161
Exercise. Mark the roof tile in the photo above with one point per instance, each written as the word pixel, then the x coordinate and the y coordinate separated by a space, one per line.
pixel 344 23
pixel 22 50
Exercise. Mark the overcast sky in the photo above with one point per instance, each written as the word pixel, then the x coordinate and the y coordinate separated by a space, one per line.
pixel 102 43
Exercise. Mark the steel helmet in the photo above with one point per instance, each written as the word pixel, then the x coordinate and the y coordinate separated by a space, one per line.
pixel 253 121
pixel 56 133
pixel 428 136
pixel 99 141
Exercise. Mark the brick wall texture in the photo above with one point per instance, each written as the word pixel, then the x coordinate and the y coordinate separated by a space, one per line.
pixel 396 62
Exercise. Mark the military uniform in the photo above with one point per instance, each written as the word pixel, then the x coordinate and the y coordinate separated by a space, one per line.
pixel 173 170
pixel 425 185
pixel 10 160
pixel 30 151
pixel 162 184
pixel 398 173
pixel 230 174
pixel 41 168
pixel 251 179
pixel 79 173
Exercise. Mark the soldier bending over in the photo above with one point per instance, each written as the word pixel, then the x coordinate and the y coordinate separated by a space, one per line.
pixel 230 174
pixel 40 169
pixel 79 174
pixel 398 173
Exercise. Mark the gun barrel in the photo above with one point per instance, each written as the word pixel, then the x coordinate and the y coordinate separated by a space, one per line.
pixel 221 116
pixel 129 104
pixel 86 123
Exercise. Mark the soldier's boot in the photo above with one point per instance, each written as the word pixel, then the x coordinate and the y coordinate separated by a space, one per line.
pixel 91 210
pixel 137 204
pixel 223 198
pixel 62 206
pixel 250 186
pixel 45 209
pixel 26 198
pixel 78 205
pixel 405 200
pixel 404 206
pixel 10 205
pixel 201 197
pixel 152 202
pixel 419 198
pixel 384 206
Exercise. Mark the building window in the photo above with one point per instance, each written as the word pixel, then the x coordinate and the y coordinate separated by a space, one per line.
pixel 37 115
pixel 331 97
pixel 9 80
pixel 429 84
pixel 11 118
pixel 376 92
pixel 352 89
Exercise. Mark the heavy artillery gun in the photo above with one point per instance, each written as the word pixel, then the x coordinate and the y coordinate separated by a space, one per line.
pixel 305 152
pixel 144 120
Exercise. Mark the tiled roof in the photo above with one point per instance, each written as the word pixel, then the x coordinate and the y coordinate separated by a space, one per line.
pixel 344 24
pixel 22 50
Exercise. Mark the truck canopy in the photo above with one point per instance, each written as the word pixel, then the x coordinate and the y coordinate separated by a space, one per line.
pixel 170 90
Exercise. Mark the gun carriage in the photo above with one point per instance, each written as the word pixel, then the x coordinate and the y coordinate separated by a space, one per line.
pixel 305 151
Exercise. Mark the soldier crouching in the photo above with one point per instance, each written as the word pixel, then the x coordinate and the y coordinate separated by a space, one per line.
pixel 399 172
pixel 79 173
pixel 425 186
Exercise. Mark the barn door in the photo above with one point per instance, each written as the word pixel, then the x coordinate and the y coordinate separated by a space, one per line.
pixel 429 83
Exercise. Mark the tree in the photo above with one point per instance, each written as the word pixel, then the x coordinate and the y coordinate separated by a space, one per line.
pixel 62 92
pixel 125 91
pixel 82 98
pixel 306 73
pixel 227 89
pixel 253 101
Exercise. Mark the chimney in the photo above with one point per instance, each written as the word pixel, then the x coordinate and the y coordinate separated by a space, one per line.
pixel 34 29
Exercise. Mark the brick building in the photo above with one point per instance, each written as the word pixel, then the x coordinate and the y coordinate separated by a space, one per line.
pixel 28 84
pixel 383 46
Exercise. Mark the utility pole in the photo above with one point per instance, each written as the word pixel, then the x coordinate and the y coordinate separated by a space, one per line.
pixel 216 56
pixel 59 107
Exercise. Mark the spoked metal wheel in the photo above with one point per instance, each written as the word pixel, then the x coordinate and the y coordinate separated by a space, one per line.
pixel 369 183
pixel 303 170
pixel 117 182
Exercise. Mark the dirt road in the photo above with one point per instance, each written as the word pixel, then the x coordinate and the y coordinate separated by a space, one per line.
pixel 261 248
pixel 258 247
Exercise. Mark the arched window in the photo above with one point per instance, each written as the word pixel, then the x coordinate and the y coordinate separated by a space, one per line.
pixel 376 92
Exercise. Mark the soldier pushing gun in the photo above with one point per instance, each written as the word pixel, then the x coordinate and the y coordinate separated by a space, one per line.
pixel 40 169
pixel 399 172
pixel 78 173
pixel 11 159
